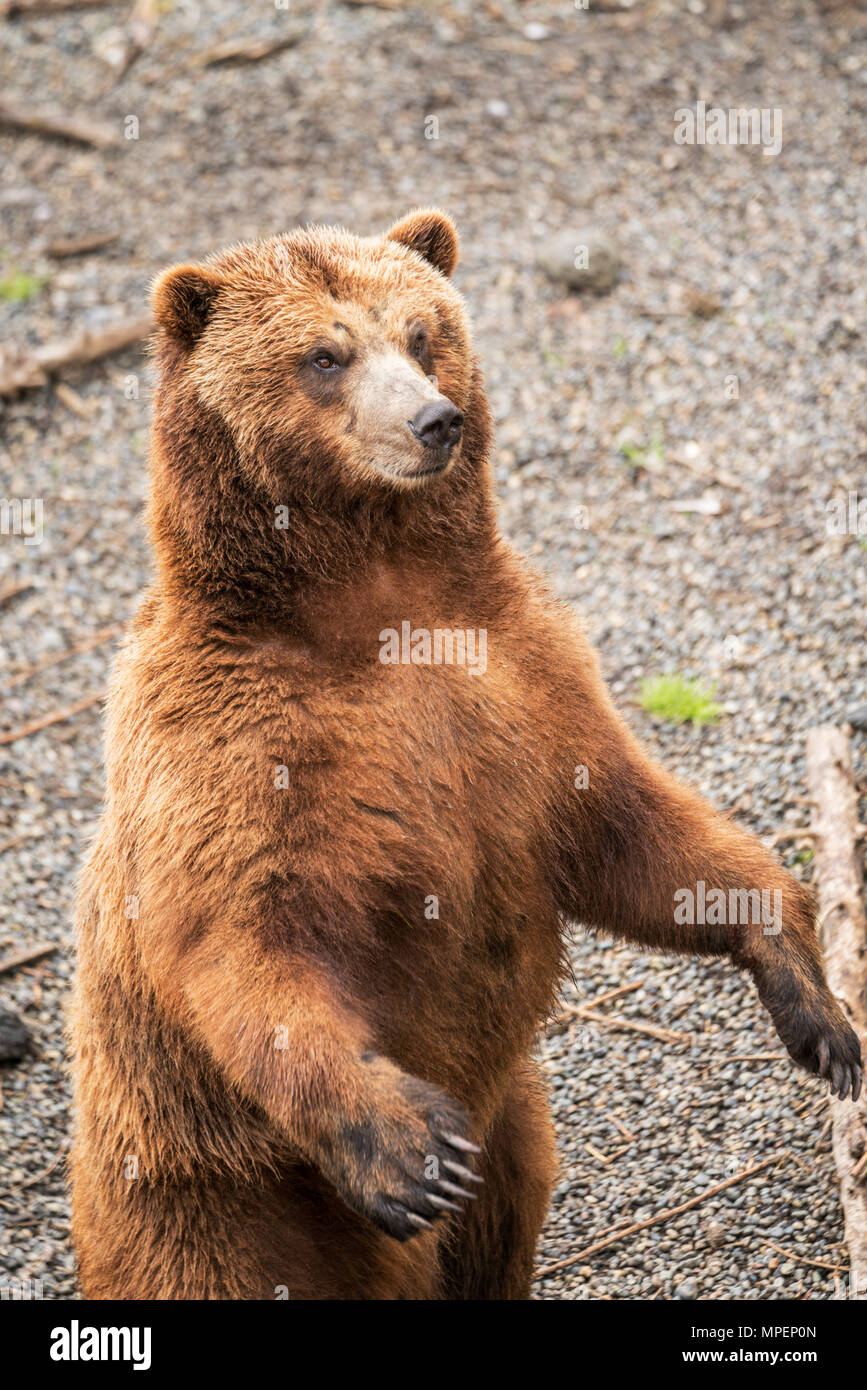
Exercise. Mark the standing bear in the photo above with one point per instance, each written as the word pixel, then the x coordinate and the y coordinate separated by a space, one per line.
pixel 322 920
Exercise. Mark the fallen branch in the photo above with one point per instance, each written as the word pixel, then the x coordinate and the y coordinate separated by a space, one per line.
pixel 35 369
pixel 58 716
pixel 81 406
pixel 601 1157
pixel 802 1259
pixel 572 1010
pixel 10 591
pixel 632 1025
pixel 25 958
pixel 627 1134
pixel 843 933
pixel 79 246
pixel 81 130
pixel 244 50
pixel 40 1177
pixel 660 1216
pixel 782 837
pixel 17 840
pixel 87 644
pixel 80 534
pixel 760 1057
pixel 722 476
pixel 22 9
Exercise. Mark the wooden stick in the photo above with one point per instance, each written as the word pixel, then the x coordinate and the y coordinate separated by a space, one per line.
pixel 704 470
pixel 40 1177
pixel 25 958
pixel 783 836
pixel 843 934
pixel 244 50
pixel 83 408
pixel 376 4
pixel 12 590
pixel 598 1155
pixel 759 1057
pixel 58 716
pixel 81 130
pixel 34 369
pixel 21 9
pixel 610 994
pixel 79 246
pixel 17 840
pixel 802 1259
pixel 80 534
pixel 632 1025
pixel 623 1130
pixel 105 634
pixel 660 1216
pixel 572 1010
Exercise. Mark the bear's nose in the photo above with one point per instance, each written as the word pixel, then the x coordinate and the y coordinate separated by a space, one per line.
pixel 438 424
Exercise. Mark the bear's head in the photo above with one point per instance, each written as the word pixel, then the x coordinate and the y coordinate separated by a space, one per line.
pixel 319 409
pixel 344 356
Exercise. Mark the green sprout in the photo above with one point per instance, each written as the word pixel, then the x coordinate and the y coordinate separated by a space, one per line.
pixel 18 286
pixel 679 701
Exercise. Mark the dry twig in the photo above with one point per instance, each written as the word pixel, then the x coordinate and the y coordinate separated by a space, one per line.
pixel 81 130
pixel 35 368
pixel 244 50
pixel 87 644
pixel 660 1216
pixel 22 958
pixel 58 716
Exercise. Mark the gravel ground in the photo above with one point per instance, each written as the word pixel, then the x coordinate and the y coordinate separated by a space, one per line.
pixel 551 120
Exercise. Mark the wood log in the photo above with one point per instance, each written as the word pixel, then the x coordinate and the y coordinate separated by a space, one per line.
pixel 35 368
pixel 843 934
pixel 245 50
pixel 82 130
pixel 29 957
pixel 79 246
pixel 24 9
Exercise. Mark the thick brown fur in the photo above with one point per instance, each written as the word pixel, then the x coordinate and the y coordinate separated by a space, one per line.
pixel 278 1050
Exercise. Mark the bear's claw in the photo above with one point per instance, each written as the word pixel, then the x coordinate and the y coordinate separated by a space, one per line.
pixel 396 1169
pixel 834 1055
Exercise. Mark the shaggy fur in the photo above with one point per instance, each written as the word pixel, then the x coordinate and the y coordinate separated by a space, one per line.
pixel 283 1057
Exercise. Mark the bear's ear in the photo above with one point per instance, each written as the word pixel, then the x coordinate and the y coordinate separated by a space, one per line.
pixel 432 234
pixel 183 298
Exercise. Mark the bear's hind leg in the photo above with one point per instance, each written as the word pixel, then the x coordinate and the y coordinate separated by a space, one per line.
pixel 489 1251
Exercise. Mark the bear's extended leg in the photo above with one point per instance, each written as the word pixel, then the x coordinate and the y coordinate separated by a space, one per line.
pixel 652 862
pixel 489 1251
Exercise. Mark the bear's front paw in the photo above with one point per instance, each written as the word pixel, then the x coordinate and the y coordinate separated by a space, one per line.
pixel 819 1039
pixel 406 1167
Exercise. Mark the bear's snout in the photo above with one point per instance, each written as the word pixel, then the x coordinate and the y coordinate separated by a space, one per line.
pixel 438 424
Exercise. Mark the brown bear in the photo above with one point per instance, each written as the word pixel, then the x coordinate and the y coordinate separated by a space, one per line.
pixel 322 920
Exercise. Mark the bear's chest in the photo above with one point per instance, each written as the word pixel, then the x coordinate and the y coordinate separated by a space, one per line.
pixel 435 771
pixel 418 797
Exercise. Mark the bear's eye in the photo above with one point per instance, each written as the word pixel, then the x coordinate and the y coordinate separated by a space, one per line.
pixel 418 347
pixel 324 361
